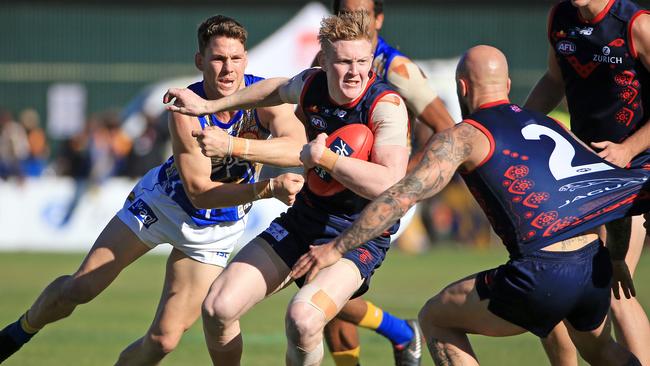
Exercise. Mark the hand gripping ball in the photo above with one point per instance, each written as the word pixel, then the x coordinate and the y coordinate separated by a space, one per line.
pixel 353 140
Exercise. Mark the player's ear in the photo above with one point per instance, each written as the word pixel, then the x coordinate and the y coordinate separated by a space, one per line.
pixel 508 86
pixel 462 87
pixel 379 21
pixel 322 62
pixel 245 59
pixel 198 61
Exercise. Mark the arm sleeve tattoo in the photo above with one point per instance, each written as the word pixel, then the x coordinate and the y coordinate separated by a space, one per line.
pixel 444 153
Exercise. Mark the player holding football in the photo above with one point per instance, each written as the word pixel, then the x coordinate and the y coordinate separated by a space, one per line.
pixel 423 104
pixel 544 207
pixel 405 77
pixel 171 204
pixel 599 57
pixel 343 92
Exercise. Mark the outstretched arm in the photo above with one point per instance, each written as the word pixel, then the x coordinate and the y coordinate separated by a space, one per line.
pixel 282 150
pixel 264 93
pixel 445 152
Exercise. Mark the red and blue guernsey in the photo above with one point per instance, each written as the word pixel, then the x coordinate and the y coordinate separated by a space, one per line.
pixel 245 124
pixel 384 55
pixel 607 86
pixel 539 185
pixel 324 115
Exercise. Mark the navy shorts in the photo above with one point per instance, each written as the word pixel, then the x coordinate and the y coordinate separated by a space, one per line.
pixel 291 234
pixel 641 161
pixel 539 290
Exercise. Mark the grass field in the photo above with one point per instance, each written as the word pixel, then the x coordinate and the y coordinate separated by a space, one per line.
pixel 97 332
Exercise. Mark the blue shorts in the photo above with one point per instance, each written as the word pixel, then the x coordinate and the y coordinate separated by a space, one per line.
pixel 291 234
pixel 539 290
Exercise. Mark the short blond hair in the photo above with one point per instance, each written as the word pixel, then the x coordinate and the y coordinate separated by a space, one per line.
pixel 348 26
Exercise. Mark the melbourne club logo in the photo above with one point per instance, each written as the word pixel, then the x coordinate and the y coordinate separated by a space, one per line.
pixel 318 122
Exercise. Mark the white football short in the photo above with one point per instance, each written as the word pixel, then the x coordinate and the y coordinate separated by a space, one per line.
pixel 156 219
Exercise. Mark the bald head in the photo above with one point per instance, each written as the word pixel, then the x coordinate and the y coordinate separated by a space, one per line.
pixel 482 76
pixel 483 65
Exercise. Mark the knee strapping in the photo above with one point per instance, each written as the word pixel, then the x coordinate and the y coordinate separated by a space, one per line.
pixel 318 299
pixel 297 355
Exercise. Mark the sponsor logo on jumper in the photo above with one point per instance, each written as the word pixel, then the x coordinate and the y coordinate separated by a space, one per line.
pixel 586 31
pixel 340 113
pixel 606 58
pixel 611 185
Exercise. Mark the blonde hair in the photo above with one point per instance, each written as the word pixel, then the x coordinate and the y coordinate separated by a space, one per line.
pixel 348 26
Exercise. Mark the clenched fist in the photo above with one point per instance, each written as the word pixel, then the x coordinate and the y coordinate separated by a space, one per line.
pixel 286 187
pixel 313 151
pixel 213 141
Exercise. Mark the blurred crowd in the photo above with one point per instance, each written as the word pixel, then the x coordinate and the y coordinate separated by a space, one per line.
pixel 104 149
pixel 100 150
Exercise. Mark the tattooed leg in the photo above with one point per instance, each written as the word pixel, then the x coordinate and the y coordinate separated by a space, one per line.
pixel 446 354
pixel 457 310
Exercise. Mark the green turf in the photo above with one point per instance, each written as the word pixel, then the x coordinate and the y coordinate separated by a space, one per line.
pixel 97 332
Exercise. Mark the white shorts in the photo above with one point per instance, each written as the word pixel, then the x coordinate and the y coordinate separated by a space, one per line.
pixel 156 219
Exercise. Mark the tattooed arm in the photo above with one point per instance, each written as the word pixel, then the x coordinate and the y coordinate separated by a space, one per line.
pixel 445 152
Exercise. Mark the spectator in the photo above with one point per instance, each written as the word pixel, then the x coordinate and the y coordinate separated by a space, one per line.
pixel 38 147
pixel 14 147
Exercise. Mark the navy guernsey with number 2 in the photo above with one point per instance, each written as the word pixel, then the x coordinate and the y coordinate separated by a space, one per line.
pixel 539 185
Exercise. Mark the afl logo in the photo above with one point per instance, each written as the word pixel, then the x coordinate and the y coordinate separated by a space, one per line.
pixel 566 47
pixel 318 122
pixel 606 51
